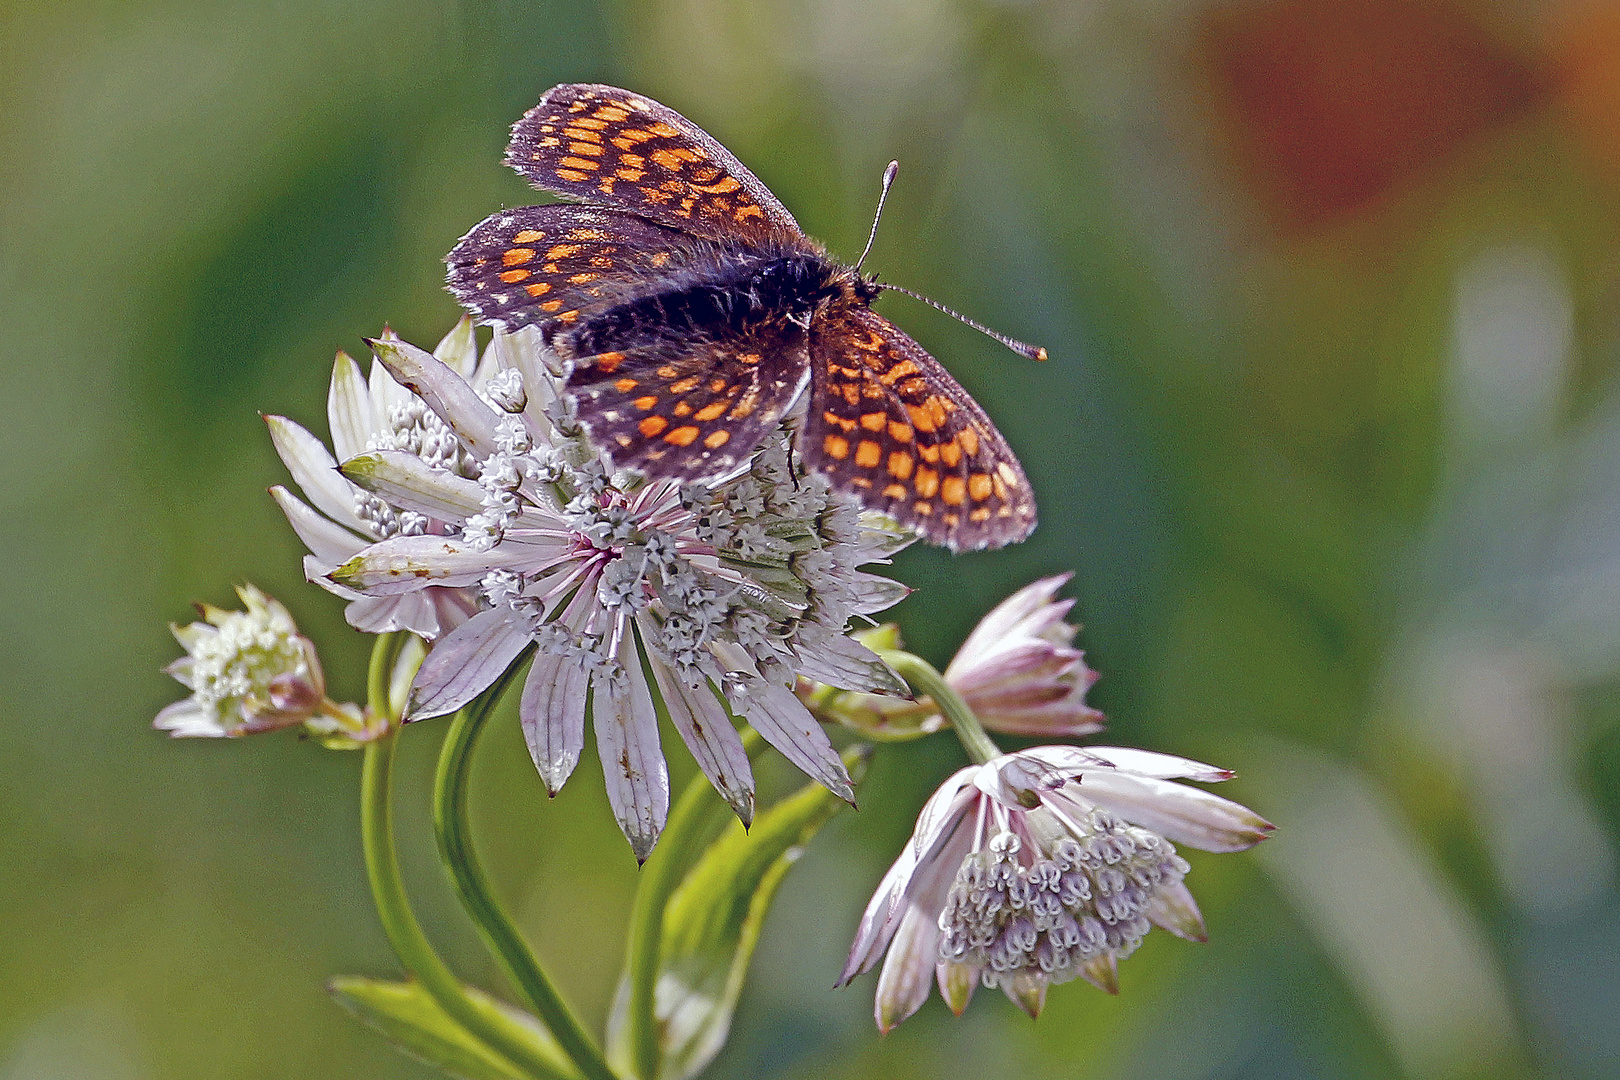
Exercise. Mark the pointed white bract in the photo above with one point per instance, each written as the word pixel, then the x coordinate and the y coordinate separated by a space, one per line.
pixel 642 598
pixel 1040 867
pixel 250 672
pixel 376 416
pixel 1018 671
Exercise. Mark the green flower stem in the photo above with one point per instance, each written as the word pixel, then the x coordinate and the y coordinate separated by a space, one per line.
pixel 453 828
pixel 482 1019
pixel 923 679
pixel 683 836
pixel 384 651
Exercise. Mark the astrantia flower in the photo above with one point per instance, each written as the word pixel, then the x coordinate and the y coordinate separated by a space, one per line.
pixel 1038 867
pixel 250 671
pixel 633 594
pixel 367 416
pixel 1018 671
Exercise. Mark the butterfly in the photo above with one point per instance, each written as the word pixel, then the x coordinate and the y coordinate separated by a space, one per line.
pixel 695 316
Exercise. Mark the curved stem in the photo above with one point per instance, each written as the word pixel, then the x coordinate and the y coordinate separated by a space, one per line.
pixel 383 653
pixel 482 1019
pixel 453 828
pixel 660 876
pixel 924 679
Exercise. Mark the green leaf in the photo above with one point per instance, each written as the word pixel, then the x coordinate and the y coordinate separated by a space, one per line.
pixel 407 1017
pixel 712 924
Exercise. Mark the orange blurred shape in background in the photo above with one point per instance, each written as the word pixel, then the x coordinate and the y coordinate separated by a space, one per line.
pixel 1337 102
pixel 1586 53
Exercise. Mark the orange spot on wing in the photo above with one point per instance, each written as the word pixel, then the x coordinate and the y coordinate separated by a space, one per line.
pixel 682 436
pixel 979 486
pixel 951 453
pixel 922 417
pixel 528 236
pixel 625 385
pixel 838 421
pixel 953 490
pixel 720 187
pixel 896 373
pixel 646 403
pixel 574 175
pixel 563 251
pixel 609 361
pixel 836 446
pixel 900 432
pixel 970 441
pixel 895 491
pixel 682 409
pixel 516 256
pixel 662 130
pixel 539 288
pixel 716 440
pixel 712 411
pixel 900 464
pixel 927 483
pixel 551 305
pixel 868 454
pixel 685 385
pixel 874 421
pixel 512 277
pixel 652 425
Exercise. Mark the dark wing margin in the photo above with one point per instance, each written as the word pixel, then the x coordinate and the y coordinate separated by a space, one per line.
pixel 541 265
pixel 887 423
pixel 689 410
pixel 628 152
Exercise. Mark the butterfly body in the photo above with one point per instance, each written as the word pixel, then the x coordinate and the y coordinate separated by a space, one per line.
pixel 695 315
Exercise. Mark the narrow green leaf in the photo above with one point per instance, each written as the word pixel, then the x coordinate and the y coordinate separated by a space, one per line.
pixel 407 1017
pixel 713 922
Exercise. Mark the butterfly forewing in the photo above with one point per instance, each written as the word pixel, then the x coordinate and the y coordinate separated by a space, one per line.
pixel 542 265
pixel 689 410
pixel 887 423
pixel 604 145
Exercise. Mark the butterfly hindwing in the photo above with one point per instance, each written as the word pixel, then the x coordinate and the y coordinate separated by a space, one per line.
pixel 887 423
pixel 542 265
pixel 689 409
pixel 609 146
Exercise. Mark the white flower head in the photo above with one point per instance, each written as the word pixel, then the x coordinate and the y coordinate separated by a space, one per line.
pixel 1039 867
pixel 249 672
pixel 370 415
pixel 701 601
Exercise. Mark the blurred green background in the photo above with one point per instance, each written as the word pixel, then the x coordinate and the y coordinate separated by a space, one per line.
pixel 1330 434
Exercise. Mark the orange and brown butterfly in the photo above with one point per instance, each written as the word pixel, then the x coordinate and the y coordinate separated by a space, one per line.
pixel 696 316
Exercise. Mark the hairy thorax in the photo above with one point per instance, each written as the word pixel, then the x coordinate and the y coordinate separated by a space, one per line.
pixel 720 293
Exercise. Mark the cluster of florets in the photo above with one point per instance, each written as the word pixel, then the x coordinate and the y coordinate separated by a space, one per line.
pixel 1016 909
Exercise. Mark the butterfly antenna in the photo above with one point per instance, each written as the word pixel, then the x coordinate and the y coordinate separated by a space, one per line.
pixel 888 182
pixel 1034 352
